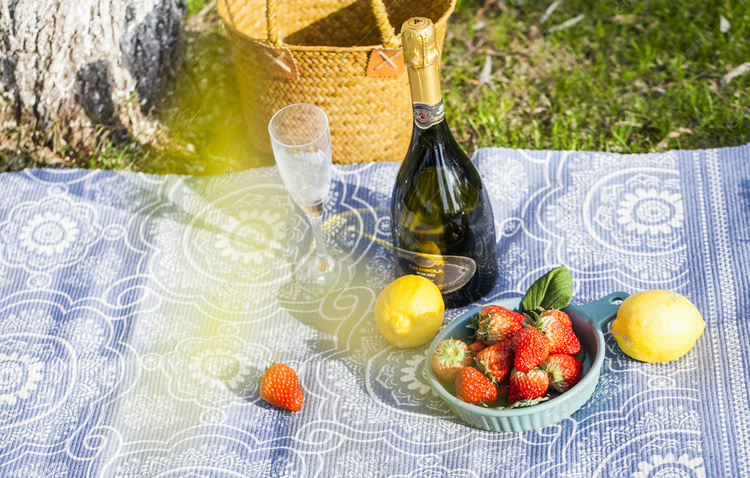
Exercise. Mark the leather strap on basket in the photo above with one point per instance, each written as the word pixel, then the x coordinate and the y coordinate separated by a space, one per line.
pixel 389 60
pixel 278 59
pixel 386 62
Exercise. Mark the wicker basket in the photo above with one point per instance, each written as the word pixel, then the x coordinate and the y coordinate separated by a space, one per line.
pixel 343 56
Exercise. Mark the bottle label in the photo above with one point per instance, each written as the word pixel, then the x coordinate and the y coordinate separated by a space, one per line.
pixel 426 115
pixel 448 273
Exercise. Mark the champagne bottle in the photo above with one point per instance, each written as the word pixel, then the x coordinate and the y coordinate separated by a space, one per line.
pixel 441 218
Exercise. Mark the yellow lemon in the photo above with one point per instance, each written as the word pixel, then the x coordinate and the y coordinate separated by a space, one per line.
pixel 409 311
pixel 657 326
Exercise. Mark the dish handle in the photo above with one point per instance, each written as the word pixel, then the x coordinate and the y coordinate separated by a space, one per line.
pixel 605 309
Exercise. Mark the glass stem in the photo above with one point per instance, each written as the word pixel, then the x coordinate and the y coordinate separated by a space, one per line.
pixel 316 221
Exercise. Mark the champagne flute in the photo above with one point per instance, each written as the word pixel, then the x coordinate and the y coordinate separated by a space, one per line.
pixel 302 147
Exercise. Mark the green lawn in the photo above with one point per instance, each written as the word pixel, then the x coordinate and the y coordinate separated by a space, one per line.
pixel 629 76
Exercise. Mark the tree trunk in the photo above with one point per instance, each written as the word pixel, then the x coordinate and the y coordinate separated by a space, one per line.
pixel 71 68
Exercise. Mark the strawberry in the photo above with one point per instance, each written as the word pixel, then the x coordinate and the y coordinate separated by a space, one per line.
pixel 565 318
pixel 563 370
pixel 527 385
pixel 496 361
pixel 279 387
pixel 531 347
pixel 473 387
pixel 557 327
pixel 477 347
pixel 476 322
pixel 449 357
pixel 497 324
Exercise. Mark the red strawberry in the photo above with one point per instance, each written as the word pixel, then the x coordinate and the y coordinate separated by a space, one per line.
pixel 563 370
pixel 279 386
pixel 473 387
pixel 449 357
pixel 565 318
pixel 531 347
pixel 477 347
pixel 527 385
pixel 497 324
pixel 556 326
pixel 496 360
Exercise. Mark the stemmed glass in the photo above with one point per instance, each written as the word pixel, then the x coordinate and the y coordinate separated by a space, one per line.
pixel 302 147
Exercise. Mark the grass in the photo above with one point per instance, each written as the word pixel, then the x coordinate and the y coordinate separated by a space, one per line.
pixel 629 76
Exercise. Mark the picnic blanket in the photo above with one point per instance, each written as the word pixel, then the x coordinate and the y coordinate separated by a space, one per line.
pixel 138 311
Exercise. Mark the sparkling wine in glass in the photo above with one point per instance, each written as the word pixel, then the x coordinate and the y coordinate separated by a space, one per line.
pixel 302 147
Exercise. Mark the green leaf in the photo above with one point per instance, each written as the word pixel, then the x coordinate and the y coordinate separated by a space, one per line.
pixel 527 403
pixel 551 291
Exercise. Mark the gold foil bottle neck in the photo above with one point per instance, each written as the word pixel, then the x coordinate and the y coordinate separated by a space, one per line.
pixel 420 44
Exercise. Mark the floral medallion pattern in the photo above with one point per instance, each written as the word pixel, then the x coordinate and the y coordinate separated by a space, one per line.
pixel 645 213
pixel 252 237
pixel 231 244
pixel 121 193
pixel 29 374
pixel 49 233
pixel 137 313
pixel 514 188
pixel 53 374
pixel 669 465
pixel 398 377
pixel 213 372
pixel 52 233
pixel 96 270
pixel 19 377
pixel 151 412
pixel 623 219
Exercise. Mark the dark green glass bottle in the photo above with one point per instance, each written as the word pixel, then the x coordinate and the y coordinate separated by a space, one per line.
pixel 441 218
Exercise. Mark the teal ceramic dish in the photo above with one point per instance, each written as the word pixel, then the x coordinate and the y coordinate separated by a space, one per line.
pixel 588 321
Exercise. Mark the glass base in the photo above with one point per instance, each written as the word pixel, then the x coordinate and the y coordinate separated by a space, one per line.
pixel 322 276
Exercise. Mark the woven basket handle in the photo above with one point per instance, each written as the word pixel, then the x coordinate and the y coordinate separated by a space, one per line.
pixel 273 28
pixel 387 34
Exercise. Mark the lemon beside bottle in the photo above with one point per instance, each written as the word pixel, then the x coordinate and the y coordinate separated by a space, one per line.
pixel 657 326
pixel 409 311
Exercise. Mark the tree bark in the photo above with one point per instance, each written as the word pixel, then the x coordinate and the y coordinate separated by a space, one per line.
pixel 71 68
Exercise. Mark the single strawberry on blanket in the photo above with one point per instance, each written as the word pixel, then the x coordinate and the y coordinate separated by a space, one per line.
pixel 497 324
pixel 473 387
pixel 449 357
pixel 279 386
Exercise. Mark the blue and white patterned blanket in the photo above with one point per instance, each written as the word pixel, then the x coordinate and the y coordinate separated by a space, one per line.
pixel 137 311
